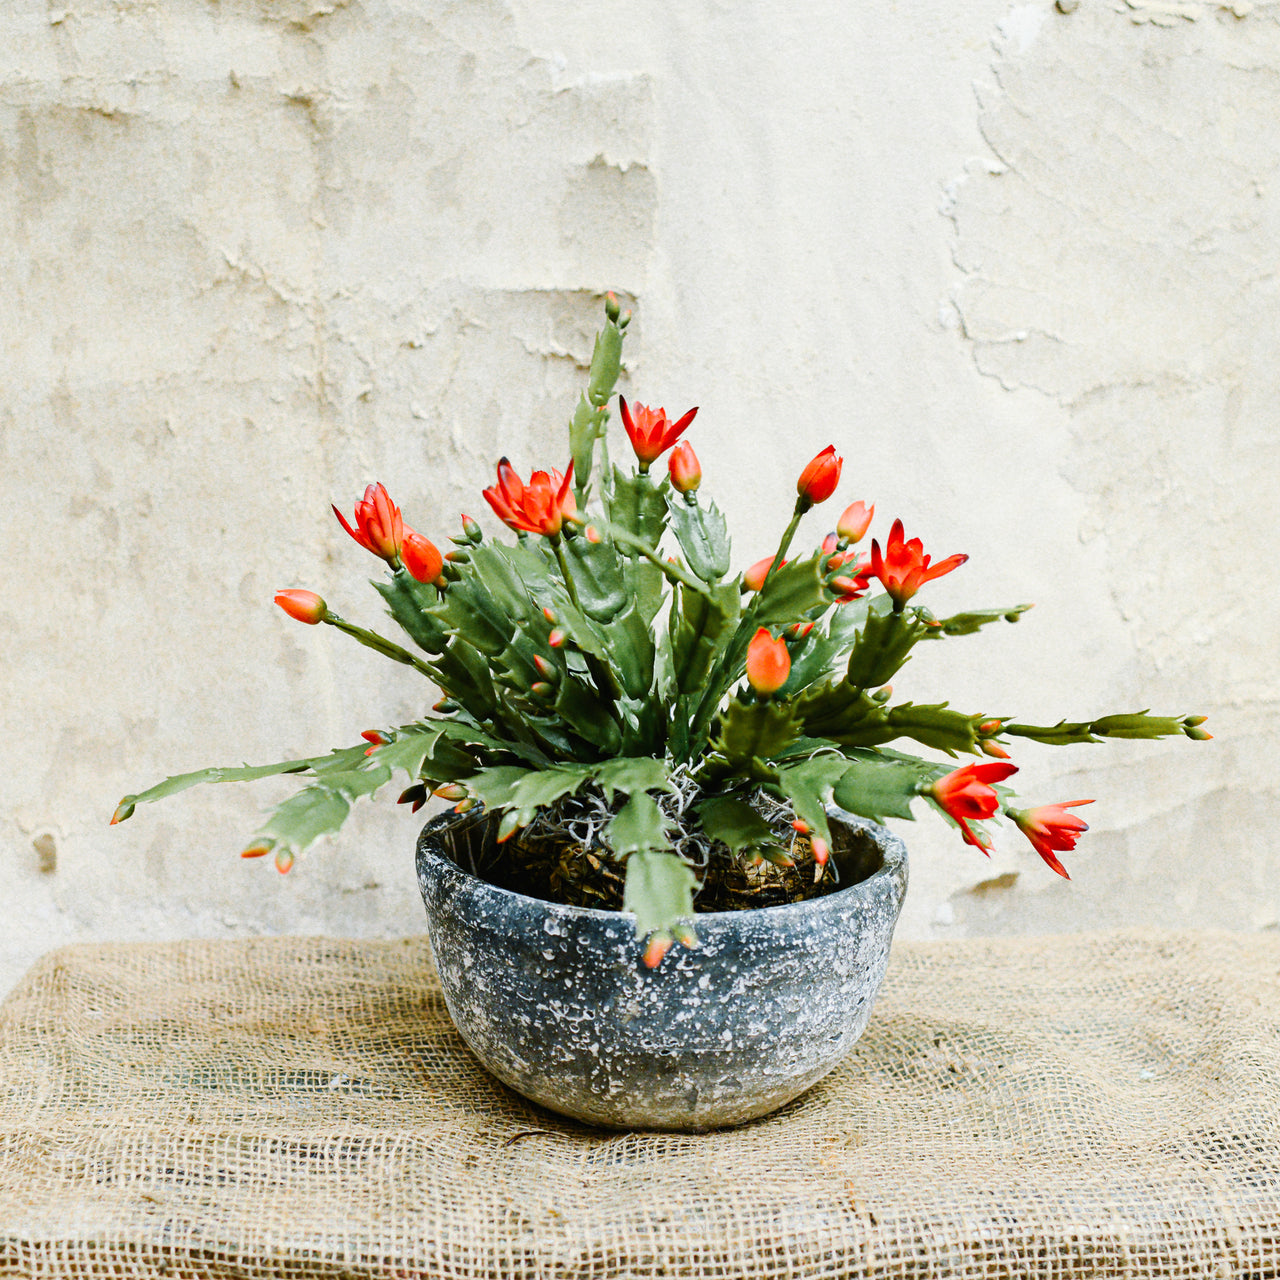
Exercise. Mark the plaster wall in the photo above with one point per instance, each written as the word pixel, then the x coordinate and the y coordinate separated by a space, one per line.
pixel 1017 264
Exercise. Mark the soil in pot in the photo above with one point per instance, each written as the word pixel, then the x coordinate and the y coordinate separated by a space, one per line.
pixel 562 857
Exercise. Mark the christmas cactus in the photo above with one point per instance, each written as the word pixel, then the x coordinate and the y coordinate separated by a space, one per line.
pixel 608 681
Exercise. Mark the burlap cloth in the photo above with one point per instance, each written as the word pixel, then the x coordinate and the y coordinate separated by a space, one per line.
pixel 1104 1105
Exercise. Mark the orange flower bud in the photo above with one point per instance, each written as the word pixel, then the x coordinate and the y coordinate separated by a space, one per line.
pixel 659 945
pixel 768 663
pixel 819 479
pixel 284 860
pixel 305 606
pixel 258 850
pixel 686 471
pixel 556 638
pixel 754 577
pixel 855 521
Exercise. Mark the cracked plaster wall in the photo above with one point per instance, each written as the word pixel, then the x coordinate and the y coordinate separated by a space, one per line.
pixel 259 254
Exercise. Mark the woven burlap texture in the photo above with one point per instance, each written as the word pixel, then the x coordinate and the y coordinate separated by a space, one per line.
pixel 1103 1105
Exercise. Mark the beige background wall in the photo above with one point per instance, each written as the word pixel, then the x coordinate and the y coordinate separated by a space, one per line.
pixel 1018 265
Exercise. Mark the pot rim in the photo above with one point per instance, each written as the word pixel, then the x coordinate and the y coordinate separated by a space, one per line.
pixel 894 865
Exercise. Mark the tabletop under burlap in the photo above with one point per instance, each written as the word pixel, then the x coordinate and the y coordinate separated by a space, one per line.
pixel 1101 1105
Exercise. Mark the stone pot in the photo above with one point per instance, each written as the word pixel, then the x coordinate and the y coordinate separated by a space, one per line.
pixel 554 1001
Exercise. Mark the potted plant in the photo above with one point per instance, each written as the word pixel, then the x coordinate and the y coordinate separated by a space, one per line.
pixel 645 751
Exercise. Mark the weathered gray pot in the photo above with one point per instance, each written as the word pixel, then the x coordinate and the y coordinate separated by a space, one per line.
pixel 554 1001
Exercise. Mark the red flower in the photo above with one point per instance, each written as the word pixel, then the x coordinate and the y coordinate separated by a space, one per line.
pixel 421 557
pixel 903 568
pixel 768 663
pixel 305 606
pixel 1051 827
pixel 754 577
pixel 819 479
pixel 686 471
pixel 854 522
pixel 541 506
pixel 966 794
pixel 649 431
pixel 379 527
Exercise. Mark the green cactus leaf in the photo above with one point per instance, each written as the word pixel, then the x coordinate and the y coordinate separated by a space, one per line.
pixel 638 506
pixel 936 726
pixel 879 791
pixel 638 826
pixel 659 890
pixel 409 603
pixel 789 593
pixel 883 644
pixel 632 774
pixel 808 785
pixel 1137 724
pixel 510 576
pixel 700 629
pixel 737 824
pixel 344 758
pixel 966 624
pixel 588 715
pixel 522 792
pixel 598 576
pixel 702 534
pixel 606 364
pixel 755 730
pixel 472 614
pixel 836 709
pixel 632 651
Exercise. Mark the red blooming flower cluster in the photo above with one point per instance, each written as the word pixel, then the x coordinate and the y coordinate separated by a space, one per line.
pixel 541 506
pixel 903 568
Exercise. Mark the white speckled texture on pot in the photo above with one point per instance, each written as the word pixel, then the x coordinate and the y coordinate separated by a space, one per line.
pixel 554 1001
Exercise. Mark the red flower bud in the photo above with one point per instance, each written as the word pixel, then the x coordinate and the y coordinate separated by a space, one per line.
pixel 830 544
pixel 471 529
pixel 754 577
pixel 798 630
pixel 284 860
pixel 768 663
pixel 258 850
pixel 451 791
pixel 686 471
pixel 854 522
pixel 659 945
pixel 591 533
pixel 421 557
pixel 556 638
pixel 379 527
pixel 545 669
pixel 819 479
pixel 305 606
pixel 415 795
pixel 821 850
